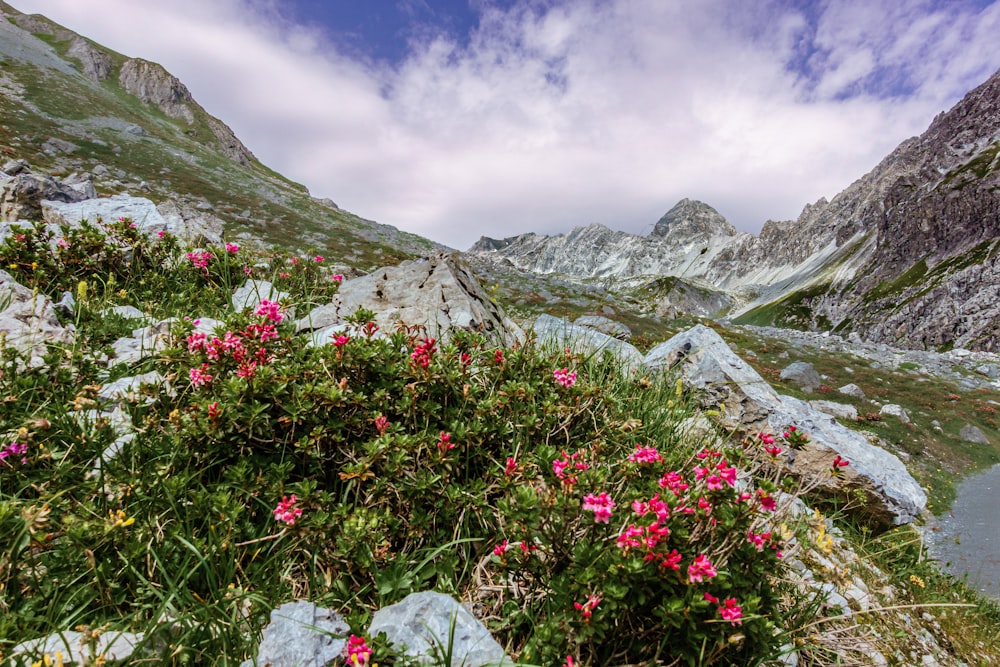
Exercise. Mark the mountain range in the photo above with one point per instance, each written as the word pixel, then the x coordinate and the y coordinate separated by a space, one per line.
pixel 906 255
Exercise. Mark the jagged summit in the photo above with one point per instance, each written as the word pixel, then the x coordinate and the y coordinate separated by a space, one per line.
pixel 690 219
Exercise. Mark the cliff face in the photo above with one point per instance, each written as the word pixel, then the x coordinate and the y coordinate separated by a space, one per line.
pixel 907 254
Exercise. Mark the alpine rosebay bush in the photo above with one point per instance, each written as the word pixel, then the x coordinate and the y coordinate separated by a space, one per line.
pixel 571 502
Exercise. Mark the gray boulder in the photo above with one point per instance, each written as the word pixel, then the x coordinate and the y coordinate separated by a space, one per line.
pixel 22 195
pixel 301 634
pixel 28 321
pixel 841 410
pixel 853 391
pixel 897 411
pixel 129 388
pixel 191 225
pixel 143 342
pixel 425 623
pixel 751 405
pixel 972 433
pixel 560 333
pixel 802 374
pixel 604 325
pixel 142 212
pixel 438 292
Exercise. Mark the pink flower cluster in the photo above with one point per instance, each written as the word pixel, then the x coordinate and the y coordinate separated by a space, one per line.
pixel 723 473
pixel 12 450
pixel 286 511
pixel 568 462
pixel 601 505
pixel 565 377
pixel 645 455
pixel 381 424
pixel 445 443
pixel 232 248
pixel 357 651
pixel 701 568
pixel 270 311
pixel 200 376
pixel 423 353
pixel 728 610
pixel 200 260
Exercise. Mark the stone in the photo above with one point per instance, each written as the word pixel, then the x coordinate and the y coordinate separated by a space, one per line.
pixel 66 304
pixel 438 292
pixel 584 340
pixel 253 292
pixel 21 197
pixel 841 410
pixel 76 647
pixel 140 210
pixel 802 374
pixel 125 312
pixel 95 63
pixel 605 326
pixel 28 321
pixel 154 85
pixel 128 388
pixel 191 225
pixel 972 433
pixel 708 365
pixel 897 411
pixel 300 634
pixel 853 391
pixel 423 623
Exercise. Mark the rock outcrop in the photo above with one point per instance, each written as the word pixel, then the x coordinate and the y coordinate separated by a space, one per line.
pixel 585 340
pixel 28 321
pixel 154 85
pixel 891 495
pixel 439 293
pixel 95 63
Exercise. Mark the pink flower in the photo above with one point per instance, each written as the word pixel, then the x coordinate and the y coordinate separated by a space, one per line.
pixel 465 359
pixel 565 377
pixel 200 260
pixel 270 310
pixel 213 410
pixel 601 505
pixel 701 568
pixel 674 482
pixel 295 261
pixel 711 598
pixel 12 450
pixel 498 357
pixel 200 376
pixel 357 651
pixel 284 274
pixel 63 243
pixel 569 662
pixel 511 466
pixel 705 506
pixel 232 248
pixel 445 443
pixel 672 561
pixel 247 270
pixel 381 424
pixel 630 537
pixel 773 450
pixel 341 340
pixel 501 549
pixel 645 455
pixel 766 438
pixel 727 473
pixel 247 370
pixel 423 353
pixel 840 462
pixel 766 500
pixel 559 467
pixel 714 483
pixel 731 611
pixel 286 511
pixel 318 259
pixel 586 609
pixel 160 234
pixel 196 341
pixel 337 278
pixel 758 540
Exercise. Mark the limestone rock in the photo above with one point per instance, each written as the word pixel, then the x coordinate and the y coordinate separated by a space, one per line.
pixel 802 374
pixel 585 340
pixel 897 411
pixel 751 406
pixel 841 410
pixel 129 388
pixel 253 292
pixel 301 634
pixel 95 63
pixel 28 321
pixel 438 292
pixel 142 211
pixel 75 648
pixel 429 620
pixel 144 342
pixel 853 390
pixel 605 326
pixel 191 225
pixel 22 195
pixel 972 433
pixel 154 85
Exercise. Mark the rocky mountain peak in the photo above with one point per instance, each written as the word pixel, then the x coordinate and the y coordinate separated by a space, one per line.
pixel 690 219
pixel 96 63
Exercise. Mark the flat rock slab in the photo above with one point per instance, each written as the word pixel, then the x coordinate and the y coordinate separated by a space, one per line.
pixel 249 296
pixel 425 622
pixel 301 634
pixel 74 647
pixel 28 321
pixel 142 211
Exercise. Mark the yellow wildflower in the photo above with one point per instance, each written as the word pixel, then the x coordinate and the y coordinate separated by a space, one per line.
pixel 117 519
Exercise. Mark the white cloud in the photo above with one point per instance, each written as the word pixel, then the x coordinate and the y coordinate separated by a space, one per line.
pixel 564 113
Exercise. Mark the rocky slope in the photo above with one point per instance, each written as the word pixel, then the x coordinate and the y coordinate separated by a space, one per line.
pixel 72 108
pixel 907 254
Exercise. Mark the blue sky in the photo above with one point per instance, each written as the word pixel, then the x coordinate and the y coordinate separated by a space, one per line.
pixel 455 119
